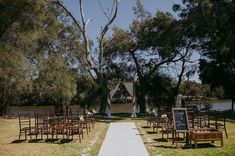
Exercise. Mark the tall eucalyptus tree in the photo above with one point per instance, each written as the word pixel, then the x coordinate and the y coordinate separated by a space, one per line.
pixel 98 68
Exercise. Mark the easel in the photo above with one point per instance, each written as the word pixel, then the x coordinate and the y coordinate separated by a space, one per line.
pixel 180 123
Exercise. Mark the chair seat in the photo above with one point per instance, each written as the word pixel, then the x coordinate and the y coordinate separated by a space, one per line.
pixel 216 124
pixel 25 128
pixel 58 127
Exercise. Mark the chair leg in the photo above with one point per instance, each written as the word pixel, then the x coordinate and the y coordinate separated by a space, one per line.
pixel 225 131
pixel 79 135
pixel 82 133
pixel 52 135
pixel 47 133
pixel 25 135
pixel 19 135
pixel 42 134
pixel 72 134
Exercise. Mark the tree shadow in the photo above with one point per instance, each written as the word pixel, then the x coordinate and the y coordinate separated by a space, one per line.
pixel 205 145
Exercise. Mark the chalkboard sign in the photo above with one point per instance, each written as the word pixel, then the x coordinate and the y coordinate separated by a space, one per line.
pixel 180 119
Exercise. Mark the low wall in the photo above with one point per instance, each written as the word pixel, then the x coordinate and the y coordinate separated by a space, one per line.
pixel 121 108
pixel 15 110
pixel 115 108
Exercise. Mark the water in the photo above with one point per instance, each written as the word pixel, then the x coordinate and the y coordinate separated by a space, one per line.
pixel 218 105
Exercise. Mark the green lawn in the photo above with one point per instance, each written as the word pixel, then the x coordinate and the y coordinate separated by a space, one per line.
pixel 9 144
pixel 92 142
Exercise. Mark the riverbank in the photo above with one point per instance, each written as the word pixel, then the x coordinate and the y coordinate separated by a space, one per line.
pixel 219 105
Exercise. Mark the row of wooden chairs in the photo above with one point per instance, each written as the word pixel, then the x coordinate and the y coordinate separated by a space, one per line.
pixel 48 124
pixel 207 119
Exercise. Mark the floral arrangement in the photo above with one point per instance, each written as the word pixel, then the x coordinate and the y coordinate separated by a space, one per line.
pixel 152 111
pixel 81 118
pixel 164 116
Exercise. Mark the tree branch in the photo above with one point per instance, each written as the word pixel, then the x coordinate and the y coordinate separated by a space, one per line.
pixel 138 67
pixel 82 27
pixel 104 31
pixel 69 13
pixel 82 15
pixel 105 13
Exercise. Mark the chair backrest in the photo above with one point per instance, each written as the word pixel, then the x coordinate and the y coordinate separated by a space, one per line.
pixel 220 116
pixel 60 120
pixel 161 121
pixel 24 120
pixel 41 119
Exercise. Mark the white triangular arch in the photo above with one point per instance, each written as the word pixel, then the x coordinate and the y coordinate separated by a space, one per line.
pixel 130 87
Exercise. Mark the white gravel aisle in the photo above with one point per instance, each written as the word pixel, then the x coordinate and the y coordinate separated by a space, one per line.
pixel 123 139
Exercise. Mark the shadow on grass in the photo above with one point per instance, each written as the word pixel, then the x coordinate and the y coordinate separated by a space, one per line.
pixel 151 132
pixel 183 146
pixel 165 146
pixel 145 127
pixel 53 141
pixel 205 145
pixel 60 141
pixel 161 140
pixel 17 141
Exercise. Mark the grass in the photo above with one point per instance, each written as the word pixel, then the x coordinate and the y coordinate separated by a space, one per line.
pixel 158 146
pixel 9 144
pixel 92 142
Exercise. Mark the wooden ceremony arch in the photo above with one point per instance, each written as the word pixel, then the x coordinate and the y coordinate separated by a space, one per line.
pixel 130 87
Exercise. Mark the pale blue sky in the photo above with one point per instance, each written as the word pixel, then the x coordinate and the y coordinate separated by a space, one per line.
pixel 124 17
pixel 125 12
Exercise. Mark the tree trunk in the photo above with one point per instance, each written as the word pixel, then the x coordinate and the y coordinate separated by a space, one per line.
pixel 103 104
pixel 91 62
pixel 142 102
pixel 141 96
pixel 233 99
pixel 5 100
pixel 180 78
pixel 103 98
pixel 141 92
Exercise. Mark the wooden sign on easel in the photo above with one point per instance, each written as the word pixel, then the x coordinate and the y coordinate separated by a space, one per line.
pixel 180 121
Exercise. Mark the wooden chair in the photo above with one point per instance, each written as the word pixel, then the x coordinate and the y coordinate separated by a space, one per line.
pixel 85 125
pixel 58 124
pixel 219 122
pixel 193 116
pixel 150 121
pixel 73 127
pixel 204 119
pixel 42 124
pixel 25 126
pixel 159 123
pixel 168 129
pixel 91 121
